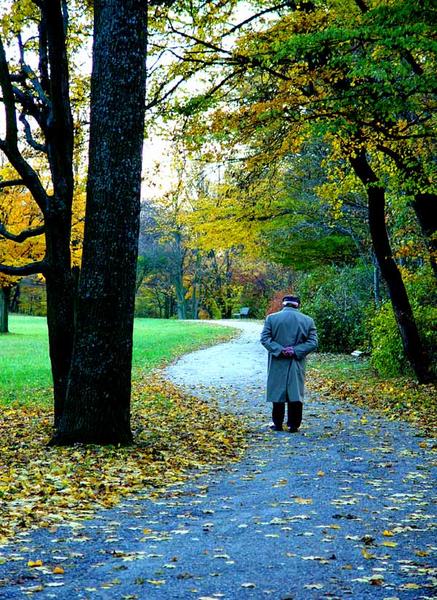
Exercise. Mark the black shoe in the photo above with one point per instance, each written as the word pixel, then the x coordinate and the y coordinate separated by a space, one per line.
pixel 274 427
pixel 292 429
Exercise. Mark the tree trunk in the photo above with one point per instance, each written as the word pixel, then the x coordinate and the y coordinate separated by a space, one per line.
pixel 60 306
pixel 376 282
pixel 97 408
pixel 4 309
pixel 15 301
pixel 180 299
pixel 425 208
pixel 413 347
pixel 179 277
pixel 196 285
pixel 50 107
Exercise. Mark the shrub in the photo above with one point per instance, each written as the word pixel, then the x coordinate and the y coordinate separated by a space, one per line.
pixel 388 355
pixel 340 302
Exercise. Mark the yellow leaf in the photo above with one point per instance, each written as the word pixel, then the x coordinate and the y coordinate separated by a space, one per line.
pixel 367 555
pixel 390 544
pixel 387 533
pixel 156 581
pixel 423 445
pixel 421 553
pixel 303 500
pixel 34 563
pixel 58 571
pixel 320 473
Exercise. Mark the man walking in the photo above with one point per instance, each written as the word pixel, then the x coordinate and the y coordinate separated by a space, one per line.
pixel 288 336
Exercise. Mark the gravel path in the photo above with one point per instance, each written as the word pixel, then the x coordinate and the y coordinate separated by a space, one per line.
pixel 343 509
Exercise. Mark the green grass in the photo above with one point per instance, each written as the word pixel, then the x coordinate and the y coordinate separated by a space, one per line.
pixel 24 359
pixel 341 366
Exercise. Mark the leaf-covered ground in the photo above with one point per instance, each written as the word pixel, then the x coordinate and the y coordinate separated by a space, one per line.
pixel 352 380
pixel 344 509
pixel 44 486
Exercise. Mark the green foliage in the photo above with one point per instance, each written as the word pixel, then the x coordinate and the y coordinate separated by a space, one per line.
pixel 388 356
pixel 339 300
pixel 32 299
pixel 387 352
pixel 306 254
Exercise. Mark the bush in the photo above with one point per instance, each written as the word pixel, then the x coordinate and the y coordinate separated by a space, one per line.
pixel 340 302
pixel 388 356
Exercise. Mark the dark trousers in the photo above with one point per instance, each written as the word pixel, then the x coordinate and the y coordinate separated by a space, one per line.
pixel 294 416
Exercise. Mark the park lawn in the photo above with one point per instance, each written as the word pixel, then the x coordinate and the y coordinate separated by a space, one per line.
pixel 343 377
pixel 24 356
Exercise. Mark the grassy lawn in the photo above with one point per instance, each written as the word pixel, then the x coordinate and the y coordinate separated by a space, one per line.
pixel 24 359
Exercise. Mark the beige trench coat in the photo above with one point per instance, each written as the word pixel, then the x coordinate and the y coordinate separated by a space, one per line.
pixel 286 376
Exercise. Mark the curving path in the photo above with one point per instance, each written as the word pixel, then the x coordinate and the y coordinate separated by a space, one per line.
pixel 340 510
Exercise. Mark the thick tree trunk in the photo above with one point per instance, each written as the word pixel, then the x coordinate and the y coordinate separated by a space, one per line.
pixel 57 215
pixel 97 408
pixel 4 309
pixel 60 307
pixel 413 347
pixel 425 207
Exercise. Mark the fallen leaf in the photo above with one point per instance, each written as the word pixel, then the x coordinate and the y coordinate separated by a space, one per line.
pixel 34 563
pixel 58 571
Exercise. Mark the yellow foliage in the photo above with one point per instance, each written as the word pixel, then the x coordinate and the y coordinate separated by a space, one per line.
pixel 18 212
pixel 42 486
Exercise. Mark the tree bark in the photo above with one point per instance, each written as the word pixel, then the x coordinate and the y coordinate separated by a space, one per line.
pixel 4 309
pixel 376 281
pixel 60 306
pixel 97 408
pixel 413 347
pixel 57 217
pixel 425 206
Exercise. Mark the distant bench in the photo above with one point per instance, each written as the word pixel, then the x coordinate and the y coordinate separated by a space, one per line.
pixel 242 313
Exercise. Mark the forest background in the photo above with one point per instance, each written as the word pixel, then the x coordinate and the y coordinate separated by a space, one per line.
pixel 297 135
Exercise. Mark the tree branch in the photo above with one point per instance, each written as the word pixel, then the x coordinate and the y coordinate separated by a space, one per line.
pixel 11 183
pixel 255 16
pixel 36 85
pixel 29 269
pixel 29 137
pixel 10 144
pixel 23 235
pixel 240 59
pixel 8 99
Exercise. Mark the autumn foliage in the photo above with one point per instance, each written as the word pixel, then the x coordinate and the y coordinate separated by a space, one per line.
pixel 43 487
